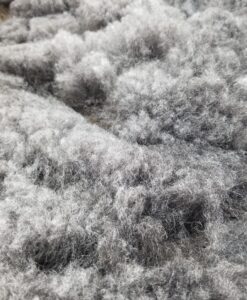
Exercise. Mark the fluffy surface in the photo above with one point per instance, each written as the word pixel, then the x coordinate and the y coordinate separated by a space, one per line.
pixel 123 139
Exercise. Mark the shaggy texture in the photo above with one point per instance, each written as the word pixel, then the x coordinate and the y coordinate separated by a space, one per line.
pixel 123 139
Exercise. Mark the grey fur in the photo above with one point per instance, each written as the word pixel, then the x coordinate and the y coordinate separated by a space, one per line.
pixel 123 139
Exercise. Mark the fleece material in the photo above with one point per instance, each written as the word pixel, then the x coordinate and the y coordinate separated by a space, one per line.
pixel 123 141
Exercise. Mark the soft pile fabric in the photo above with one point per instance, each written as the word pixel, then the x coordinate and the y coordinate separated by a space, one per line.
pixel 123 139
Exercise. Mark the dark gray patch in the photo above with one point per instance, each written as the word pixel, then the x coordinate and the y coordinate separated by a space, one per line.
pixel 235 202
pixel 50 173
pixel 54 254
pixel 176 215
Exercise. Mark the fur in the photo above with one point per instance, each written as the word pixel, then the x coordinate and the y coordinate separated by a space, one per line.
pixel 123 139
